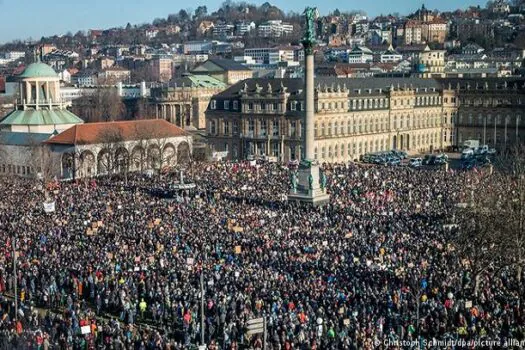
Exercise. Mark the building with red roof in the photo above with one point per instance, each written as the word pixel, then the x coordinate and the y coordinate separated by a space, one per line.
pixel 92 149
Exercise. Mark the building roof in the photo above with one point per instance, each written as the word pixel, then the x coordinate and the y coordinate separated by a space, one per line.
pixel 86 73
pixel 295 86
pixel 38 70
pixel 40 117
pixel 22 138
pixel 205 81
pixel 132 130
pixel 221 65
pixel 361 49
pixel 473 46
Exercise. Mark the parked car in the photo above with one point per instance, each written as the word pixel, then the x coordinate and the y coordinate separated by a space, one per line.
pixel 482 149
pixel 399 154
pixel 394 161
pixel 429 159
pixel 366 158
pixel 467 153
pixel 415 162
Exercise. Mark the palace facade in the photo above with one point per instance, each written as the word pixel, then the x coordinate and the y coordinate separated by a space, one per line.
pixel 356 116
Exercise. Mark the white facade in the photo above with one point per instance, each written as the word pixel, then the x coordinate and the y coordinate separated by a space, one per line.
pixel 223 30
pixel 244 27
pixel 391 57
pixel 274 55
pixel 274 29
pixel 360 55
pixel 15 55
pixel 198 47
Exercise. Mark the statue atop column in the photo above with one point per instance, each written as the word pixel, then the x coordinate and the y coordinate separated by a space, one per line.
pixel 310 15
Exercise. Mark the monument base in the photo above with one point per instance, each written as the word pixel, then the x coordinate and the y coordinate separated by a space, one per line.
pixel 308 185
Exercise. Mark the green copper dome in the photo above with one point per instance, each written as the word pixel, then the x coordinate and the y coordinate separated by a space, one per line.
pixel 38 70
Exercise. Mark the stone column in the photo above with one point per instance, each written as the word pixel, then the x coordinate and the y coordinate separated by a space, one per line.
pixel 28 92
pixel 37 92
pixel 47 92
pixel 309 107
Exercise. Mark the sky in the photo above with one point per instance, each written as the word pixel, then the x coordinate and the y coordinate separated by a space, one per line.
pixel 23 19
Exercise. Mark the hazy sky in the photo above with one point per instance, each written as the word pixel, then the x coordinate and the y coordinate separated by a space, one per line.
pixel 21 19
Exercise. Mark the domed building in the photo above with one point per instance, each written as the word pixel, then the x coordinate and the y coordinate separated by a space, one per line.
pixel 41 138
pixel 39 108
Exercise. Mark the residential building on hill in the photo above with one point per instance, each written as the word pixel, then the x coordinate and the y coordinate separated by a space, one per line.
pixel 161 69
pixel 274 55
pixel 413 32
pixel 360 54
pixel 274 29
pixel 434 31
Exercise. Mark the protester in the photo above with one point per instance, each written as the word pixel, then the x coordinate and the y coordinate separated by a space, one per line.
pixel 117 267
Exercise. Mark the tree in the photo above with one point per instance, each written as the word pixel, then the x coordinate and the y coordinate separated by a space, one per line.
pixel 141 74
pixel 491 232
pixel 200 12
pixel 510 176
pixel 159 152
pixel 43 161
pixel 173 18
pixel 106 105
pixel 110 158
pixel 183 15
pixel 159 22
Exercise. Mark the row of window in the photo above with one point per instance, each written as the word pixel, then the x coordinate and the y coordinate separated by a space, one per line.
pixel 378 103
pixel 491 120
pixel 375 124
pixel 487 102
pixel 16 169
pixel 263 128
pixel 329 129
pixel 354 104
pixel 252 106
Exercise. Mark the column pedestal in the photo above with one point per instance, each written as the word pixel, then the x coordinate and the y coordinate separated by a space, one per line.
pixel 305 192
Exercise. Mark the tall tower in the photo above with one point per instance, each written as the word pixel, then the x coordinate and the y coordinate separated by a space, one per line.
pixel 308 184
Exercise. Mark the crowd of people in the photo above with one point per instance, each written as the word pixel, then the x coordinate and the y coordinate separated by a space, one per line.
pixel 115 267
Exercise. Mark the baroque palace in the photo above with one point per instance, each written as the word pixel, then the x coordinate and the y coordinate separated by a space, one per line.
pixel 356 116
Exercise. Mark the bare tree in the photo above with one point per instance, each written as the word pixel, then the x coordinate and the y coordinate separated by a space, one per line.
pixel 159 152
pixel 478 241
pixel 42 161
pixel 112 158
pixel 491 231
pixel 140 144
pixel 510 177
pixel 103 105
